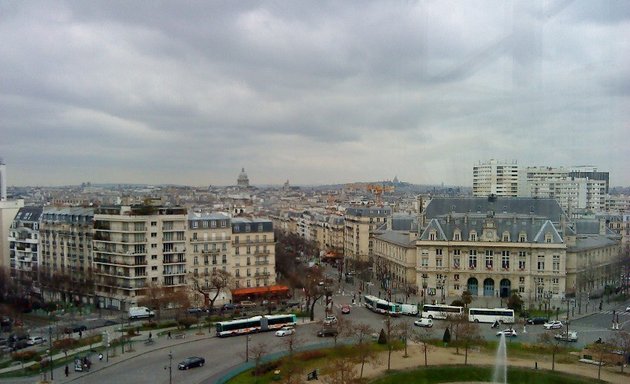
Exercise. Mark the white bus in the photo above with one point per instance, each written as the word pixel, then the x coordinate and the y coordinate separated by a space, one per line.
pixel 440 311
pixel 381 306
pixel 491 315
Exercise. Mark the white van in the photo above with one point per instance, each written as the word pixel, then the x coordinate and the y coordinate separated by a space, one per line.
pixel 140 313
pixel 409 309
pixel 428 323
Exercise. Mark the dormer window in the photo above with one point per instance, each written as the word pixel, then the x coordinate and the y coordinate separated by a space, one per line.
pixel 522 237
pixel 506 237
pixel 432 235
pixel 472 236
pixel 548 237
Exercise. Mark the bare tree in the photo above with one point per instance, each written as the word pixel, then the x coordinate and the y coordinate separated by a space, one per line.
pixel 423 336
pixel 342 370
pixel 365 348
pixel 469 335
pixel 153 297
pixel 404 330
pixel 292 368
pixel 621 342
pixel 313 291
pixel 599 349
pixel 457 325
pixel 391 335
pixel 551 343
pixel 257 352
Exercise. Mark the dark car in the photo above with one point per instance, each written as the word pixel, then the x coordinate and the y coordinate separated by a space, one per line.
pixel 75 328
pixel 537 320
pixel 191 362
pixel 194 310
pixel 327 332
pixel 20 344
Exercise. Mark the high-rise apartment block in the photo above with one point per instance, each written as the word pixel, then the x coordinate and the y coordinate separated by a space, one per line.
pixel 136 248
pixel 504 179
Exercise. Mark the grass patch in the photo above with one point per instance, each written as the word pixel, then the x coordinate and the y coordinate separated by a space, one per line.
pixel 445 374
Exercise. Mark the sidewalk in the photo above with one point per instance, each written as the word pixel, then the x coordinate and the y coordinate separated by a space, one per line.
pixel 111 356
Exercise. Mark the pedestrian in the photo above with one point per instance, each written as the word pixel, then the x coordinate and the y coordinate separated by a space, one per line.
pixel 80 334
pixel 66 371
pixel 169 334
pixel 100 357
pixel 150 335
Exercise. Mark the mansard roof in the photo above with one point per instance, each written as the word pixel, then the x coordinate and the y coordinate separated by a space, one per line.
pixel 547 208
pixel 535 229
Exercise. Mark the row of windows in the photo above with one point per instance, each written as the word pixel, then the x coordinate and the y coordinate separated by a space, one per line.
pixel 489 262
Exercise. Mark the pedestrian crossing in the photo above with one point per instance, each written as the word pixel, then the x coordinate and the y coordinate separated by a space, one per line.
pixel 616 312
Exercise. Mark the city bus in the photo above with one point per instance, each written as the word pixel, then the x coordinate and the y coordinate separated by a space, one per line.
pixel 381 306
pixel 438 311
pixel 491 315
pixel 254 324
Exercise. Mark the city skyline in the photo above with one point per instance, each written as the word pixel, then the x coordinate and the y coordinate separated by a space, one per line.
pixel 314 93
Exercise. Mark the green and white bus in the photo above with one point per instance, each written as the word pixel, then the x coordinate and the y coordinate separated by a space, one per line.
pixel 254 324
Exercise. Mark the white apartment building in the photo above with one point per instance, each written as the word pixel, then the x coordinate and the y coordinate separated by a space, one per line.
pixel 24 250
pixel 137 247
pixel 254 252
pixel 503 179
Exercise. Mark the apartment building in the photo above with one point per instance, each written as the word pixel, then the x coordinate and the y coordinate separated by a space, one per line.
pixel 138 247
pixel 360 225
pixel 493 177
pixel 395 260
pixel 209 245
pixel 24 250
pixel 66 269
pixel 253 242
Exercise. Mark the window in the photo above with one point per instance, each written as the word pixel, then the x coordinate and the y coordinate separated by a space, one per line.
pixel 541 262
pixel 489 260
pixel 473 236
pixel 425 262
pixel 153 234
pixel 214 259
pixel 438 262
pixel 456 262
pixel 224 259
pixel 213 224
pixel 457 236
pixel 522 237
pixel 457 252
pixel 260 227
pixel 556 263
pixel 153 257
pixel 505 260
pixel 521 279
pixel 154 268
pixel 456 277
pixel 432 236
pixel 438 252
pixel 154 223
pixel 521 265
pixel 194 235
pixel 472 261
pixel 196 260
pixel 456 287
pixel 153 246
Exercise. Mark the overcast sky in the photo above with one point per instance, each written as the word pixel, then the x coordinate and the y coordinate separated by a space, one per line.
pixel 316 92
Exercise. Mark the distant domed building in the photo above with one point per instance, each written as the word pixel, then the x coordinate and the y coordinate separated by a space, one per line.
pixel 243 180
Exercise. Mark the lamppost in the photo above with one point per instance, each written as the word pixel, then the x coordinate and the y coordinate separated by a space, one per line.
pixel 247 339
pixel 50 354
pixel 170 367
pixel 122 327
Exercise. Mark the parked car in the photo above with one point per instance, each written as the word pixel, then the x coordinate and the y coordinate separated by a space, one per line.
pixel 507 332
pixel 75 328
pixel 247 304
pixel 34 340
pixel 555 324
pixel 427 323
pixel 571 336
pixel 20 344
pixel 537 320
pixel 345 309
pixel 327 332
pixel 195 310
pixel 330 320
pixel 191 362
pixel 285 331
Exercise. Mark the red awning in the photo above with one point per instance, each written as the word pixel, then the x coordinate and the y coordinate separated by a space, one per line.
pixel 260 290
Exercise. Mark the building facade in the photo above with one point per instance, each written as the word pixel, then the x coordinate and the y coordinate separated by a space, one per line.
pixel 137 248
pixel 360 225
pixel 24 248
pixel 504 179
pixel 66 269
pixel 254 252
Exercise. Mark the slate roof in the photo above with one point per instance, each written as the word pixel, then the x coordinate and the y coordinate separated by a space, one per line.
pixel 548 208
pixel 534 228
pixel 29 214
pixel 401 238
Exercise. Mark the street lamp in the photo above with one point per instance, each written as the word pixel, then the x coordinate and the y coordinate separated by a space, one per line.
pixel 170 367
pixel 122 328
pixel 247 339
pixel 51 351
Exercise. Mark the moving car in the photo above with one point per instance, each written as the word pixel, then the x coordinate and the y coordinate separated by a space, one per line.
pixel 556 324
pixel 345 309
pixel 285 331
pixel 327 332
pixel 194 310
pixel 427 323
pixel 507 332
pixel 192 362
pixel 537 320
pixel 330 320
pixel 34 340
pixel 571 336
pixel 628 309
